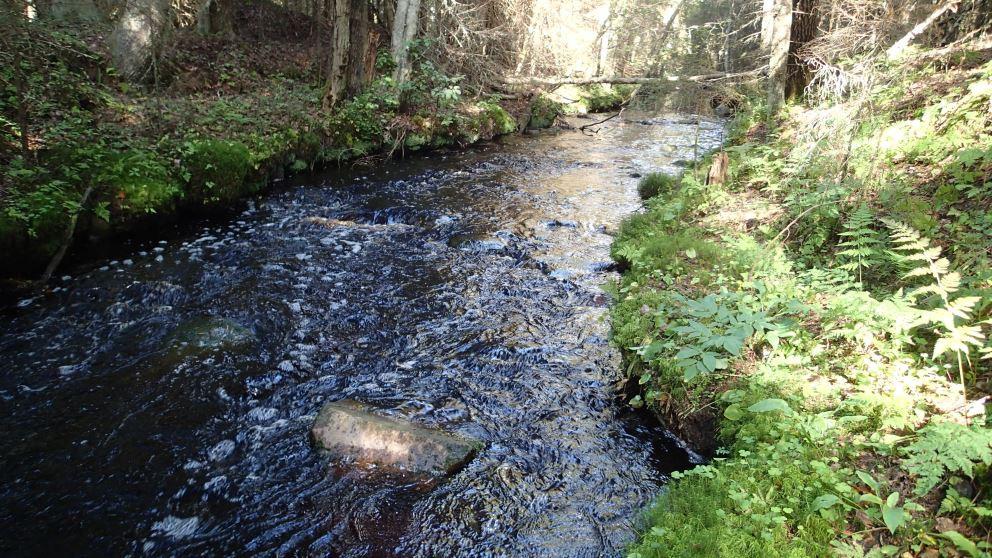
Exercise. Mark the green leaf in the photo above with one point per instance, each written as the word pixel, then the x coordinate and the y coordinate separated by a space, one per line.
pixel 709 361
pixel 732 395
pixel 871 499
pixel 824 501
pixel 893 517
pixel 963 543
pixel 733 412
pixel 768 405
pixel 892 500
pixel 733 345
pixel 867 479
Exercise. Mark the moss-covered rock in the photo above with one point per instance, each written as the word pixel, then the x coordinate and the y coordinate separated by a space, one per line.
pixel 544 110
pixel 501 121
pixel 601 98
pixel 216 169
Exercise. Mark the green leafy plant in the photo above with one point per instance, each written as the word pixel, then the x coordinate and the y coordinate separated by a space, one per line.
pixel 888 509
pixel 861 247
pixel 951 315
pixel 946 448
pixel 656 183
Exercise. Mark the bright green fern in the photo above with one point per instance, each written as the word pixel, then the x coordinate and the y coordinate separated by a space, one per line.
pixel 946 448
pixel 861 247
pixel 950 316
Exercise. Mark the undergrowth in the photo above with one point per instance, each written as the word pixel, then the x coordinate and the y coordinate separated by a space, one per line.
pixel 836 335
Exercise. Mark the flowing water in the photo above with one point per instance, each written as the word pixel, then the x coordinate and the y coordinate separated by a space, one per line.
pixel 458 290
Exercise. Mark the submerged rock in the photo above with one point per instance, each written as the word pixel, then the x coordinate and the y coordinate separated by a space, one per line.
pixel 207 334
pixel 351 433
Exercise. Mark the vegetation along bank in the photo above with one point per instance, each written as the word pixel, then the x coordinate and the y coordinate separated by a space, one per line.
pixel 90 151
pixel 816 320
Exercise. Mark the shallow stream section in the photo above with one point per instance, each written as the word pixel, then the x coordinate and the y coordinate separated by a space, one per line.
pixel 158 403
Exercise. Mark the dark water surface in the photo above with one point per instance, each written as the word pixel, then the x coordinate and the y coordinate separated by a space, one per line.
pixel 459 290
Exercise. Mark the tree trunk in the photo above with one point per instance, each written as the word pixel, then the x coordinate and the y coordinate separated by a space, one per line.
pixel 137 35
pixel 900 46
pixel 337 77
pixel 221 17
pixel 22 106
pixel 359 47
pixel 216 17
pixel 405 23
pixel 779 38
pixel 718 169
pixel 767 23
pixel 804 24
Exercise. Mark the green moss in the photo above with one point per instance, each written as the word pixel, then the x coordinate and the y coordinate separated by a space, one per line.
pixel 601 98
pixel 139 182
pixel 630 323
pixel 656 183
pixel 544 111
pixel 502 121
pixel 217 169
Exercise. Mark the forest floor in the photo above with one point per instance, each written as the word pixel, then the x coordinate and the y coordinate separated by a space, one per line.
pixel 817 323
pixel 220 119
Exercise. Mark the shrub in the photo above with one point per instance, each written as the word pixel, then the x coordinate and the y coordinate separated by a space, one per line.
pixel 656 183
pixel 139 182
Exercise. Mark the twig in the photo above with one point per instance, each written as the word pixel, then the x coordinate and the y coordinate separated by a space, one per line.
pixel 70 230
pixel 800 216
pixel 607 119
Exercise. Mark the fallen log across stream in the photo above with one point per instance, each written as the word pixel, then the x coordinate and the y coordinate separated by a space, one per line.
pixel 620 80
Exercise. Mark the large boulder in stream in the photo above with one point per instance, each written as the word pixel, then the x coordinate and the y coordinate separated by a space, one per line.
pixel 351 433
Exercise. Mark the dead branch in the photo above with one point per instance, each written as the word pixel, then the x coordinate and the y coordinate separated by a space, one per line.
pixel 589 126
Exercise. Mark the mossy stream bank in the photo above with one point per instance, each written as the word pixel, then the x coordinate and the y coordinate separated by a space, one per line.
pixel 139 159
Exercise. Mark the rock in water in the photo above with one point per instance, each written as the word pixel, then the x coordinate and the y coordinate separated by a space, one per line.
pixel 351 433
pixel 203 335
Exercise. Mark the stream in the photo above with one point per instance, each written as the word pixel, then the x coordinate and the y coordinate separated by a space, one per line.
pixel 461 290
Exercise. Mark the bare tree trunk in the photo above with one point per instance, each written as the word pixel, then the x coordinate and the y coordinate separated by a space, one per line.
pixel 137 34
pixel 405 23
pixel 767 23
pixel 22 106
pixel 804 25
pixel 359 47
pixel 222 17
pixel 337 77
pixel 900 46
pixel 216 17
pixel 779 38
pixel 603 39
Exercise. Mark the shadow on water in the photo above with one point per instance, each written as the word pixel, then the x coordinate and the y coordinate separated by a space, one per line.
pixel 158 403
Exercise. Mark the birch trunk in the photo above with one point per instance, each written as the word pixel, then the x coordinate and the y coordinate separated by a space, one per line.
pixel 137 34
pixel 337 77
pixel 405 23
pixel 779 36
pixel 900 46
